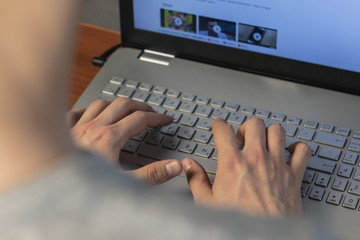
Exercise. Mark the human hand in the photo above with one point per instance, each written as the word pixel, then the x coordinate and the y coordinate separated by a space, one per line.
pixel 252 175
pixel 104 128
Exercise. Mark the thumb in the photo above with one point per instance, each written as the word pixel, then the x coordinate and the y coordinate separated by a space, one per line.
pixel 198 180
pixel 158 172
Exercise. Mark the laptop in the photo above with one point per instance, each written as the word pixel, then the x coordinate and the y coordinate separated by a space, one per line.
pixel 293 63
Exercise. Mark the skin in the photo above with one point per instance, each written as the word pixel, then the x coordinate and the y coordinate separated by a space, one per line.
pixel 36 52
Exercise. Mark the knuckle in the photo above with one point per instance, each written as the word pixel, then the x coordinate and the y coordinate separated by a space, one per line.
pixel 98 104
pixel 140 115
pixel 121 101
pixel 153 175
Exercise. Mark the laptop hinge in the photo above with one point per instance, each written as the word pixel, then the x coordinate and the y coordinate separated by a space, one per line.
pixel 156 57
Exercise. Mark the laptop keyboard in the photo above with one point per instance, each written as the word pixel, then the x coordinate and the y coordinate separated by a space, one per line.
pixel 333 173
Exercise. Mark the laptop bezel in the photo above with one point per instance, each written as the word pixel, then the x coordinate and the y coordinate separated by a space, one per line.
pixel 282 68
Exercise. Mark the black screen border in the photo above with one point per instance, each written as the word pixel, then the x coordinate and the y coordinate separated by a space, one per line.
pixel 286 69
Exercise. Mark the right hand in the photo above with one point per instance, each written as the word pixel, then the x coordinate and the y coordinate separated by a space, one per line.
pixel 252 175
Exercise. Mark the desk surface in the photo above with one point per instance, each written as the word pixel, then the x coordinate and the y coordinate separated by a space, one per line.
pixel 91 41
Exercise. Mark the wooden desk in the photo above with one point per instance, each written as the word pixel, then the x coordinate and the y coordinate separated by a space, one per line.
pixel 91 41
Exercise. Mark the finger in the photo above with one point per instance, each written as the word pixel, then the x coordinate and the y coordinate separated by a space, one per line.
pixel 198 180
pixel 301 154
pixel 119 109
pixel 276 142
pixel 225 140
pixel 72 117
pixel 254 134
pixel 94 109
pixel 139 120
pixel 158 172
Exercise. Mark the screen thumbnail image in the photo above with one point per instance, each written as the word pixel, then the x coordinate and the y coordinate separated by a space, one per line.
pixel 217 28
pixel 257 36
pixel 178 21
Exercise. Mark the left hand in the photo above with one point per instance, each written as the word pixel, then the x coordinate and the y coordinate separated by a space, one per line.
pixel 104 128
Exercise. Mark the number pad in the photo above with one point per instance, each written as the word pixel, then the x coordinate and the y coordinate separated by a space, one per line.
pixel 334 198
pixel 354 188
pixel 350 158
pixel 330 153
pixel 345 171
pixel 339 184
pixel 322 180
pixel 350 202
pixel 317 193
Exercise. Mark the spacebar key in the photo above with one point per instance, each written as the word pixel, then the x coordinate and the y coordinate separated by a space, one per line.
pixel 322 165
pixel 159 153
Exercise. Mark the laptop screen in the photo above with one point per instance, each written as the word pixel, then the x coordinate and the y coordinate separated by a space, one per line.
pixel 319 32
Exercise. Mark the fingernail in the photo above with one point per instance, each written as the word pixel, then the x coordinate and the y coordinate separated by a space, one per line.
pixel 172 168
pixel 188 164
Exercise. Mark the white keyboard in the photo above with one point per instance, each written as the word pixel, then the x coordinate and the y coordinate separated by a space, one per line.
pixel 333 173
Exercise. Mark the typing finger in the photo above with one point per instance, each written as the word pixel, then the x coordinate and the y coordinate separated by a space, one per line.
pixel 254 134
pixel 301 154
pixel 276 142
pixel 119 109
pixel 198 180
pixel 158 172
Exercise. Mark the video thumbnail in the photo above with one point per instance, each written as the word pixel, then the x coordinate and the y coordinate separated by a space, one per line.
pixel 178 21
pixel 217 28
pixel 260 36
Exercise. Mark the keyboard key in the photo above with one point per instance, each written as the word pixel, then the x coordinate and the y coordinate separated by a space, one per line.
pixel 308 176
pixel 322 180
pixel 236 118
pixel 330 139
pixel 327 128
pixel 173 93
pixel 317 193
pixel 306 134
pixel 117 80
pixel 217 103
pixel 157 153
pixel 350 202
pixel 170 129
pixel 343 131
pixel 268 123
pixel 176 115
pixel 294 120
pixel 248 110
pixel 203 100
pixel 278 117
pixel 354 145
pixel 131 146
pixel 205 124
pixel 202 137
pixel 334 198
pixel 188 97
pixel 322 165
pixel 204 151
pixel 354 188
pixel 145 87
pixel 186 133
pixel 189 120
pixel 187 147
pixel 106 97
pixel 313 146
pixel 212 141
pixel 289 142
pixel 131 84
pixel 156 99
pixel 171 143
pixel 232 106
pixel 171 103
pixel 159 109
pixel 290 129
pixel 140 137
pixel 345 171
pixel 140 96
pixel 330 153
pixel 263 113
pixel 304 189
pixel 220 113
pixel 339 184
pixel 357 174
pixel 126 92
pixel 159 90
pixel 215 155
pixel 203 111
pixel 111 89
pixel 356 135
pixel 351 158
pixel 187 107
pixel 311 124
pixel 154 138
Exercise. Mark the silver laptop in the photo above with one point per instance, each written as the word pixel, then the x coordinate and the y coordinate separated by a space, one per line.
pixel 294 63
